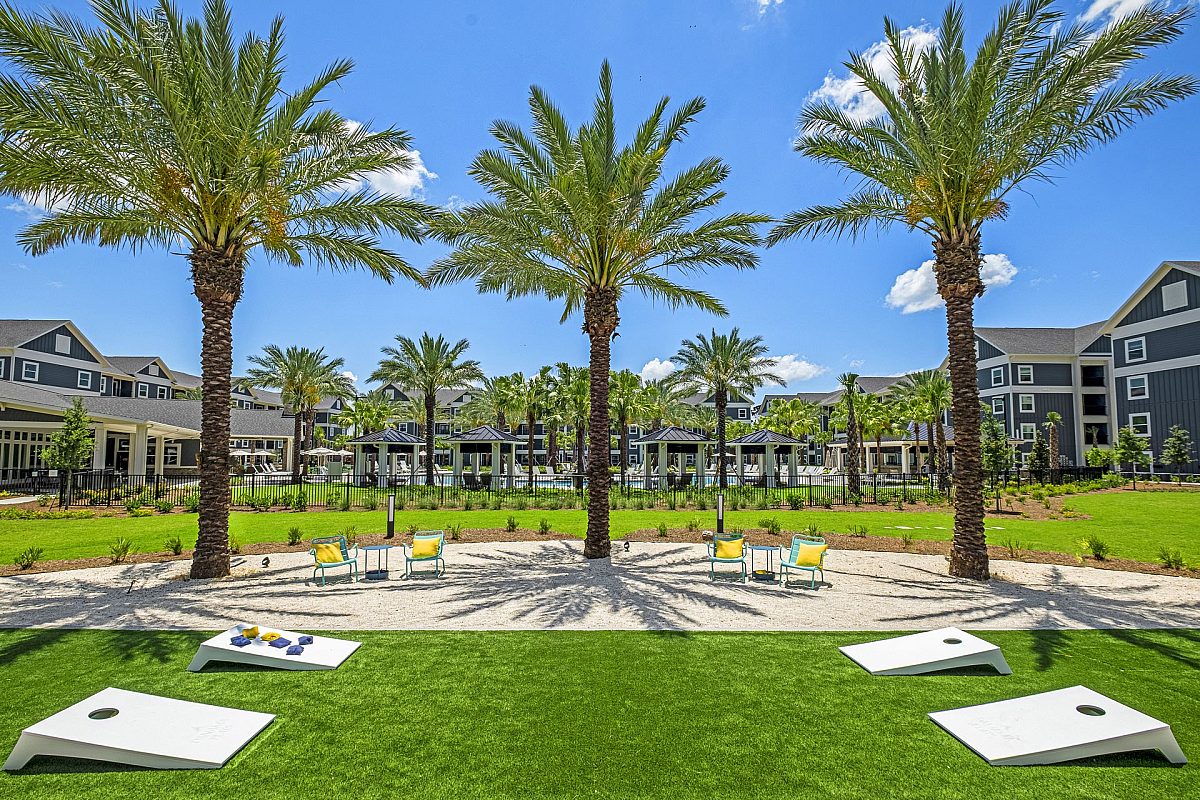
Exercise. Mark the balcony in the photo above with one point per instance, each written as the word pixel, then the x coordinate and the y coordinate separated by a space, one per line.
pixel 1095 405
pixel 1092 375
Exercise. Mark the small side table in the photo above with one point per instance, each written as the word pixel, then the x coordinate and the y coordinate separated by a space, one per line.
pixel 767 574
pixel 380 573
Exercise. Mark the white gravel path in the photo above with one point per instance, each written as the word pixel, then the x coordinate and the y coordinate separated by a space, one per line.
pixel 549 585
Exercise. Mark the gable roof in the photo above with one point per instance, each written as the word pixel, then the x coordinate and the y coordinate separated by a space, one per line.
pixel 485 433
pixel 1157 275
pixel 16 332
pixel 1041 341
pixel 764 436
pixel 869 384
pixel 387 436
pixel 135 364
pixel 671 433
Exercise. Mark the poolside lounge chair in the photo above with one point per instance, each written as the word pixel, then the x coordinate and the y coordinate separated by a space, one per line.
pixel 807 554
pixel 726 548
pixel 470 482
pixel 426 546
pixel 329 552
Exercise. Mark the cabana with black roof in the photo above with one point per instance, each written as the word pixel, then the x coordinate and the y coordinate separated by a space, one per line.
pixel 386 443
pixel 484 439
pixel 766 443
pixel 669 442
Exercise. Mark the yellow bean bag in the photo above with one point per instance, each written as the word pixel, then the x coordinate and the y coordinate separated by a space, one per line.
pixel 250 633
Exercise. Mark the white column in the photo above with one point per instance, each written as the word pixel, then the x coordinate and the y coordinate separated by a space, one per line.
pixel 101 450
pixel 512 462
pixel 359 460
pixel 160 454
pixel 381 468
pixel 793 458
pixel 646 468
pixel 662 465
pixel 769 464
pixel 700 466
pixel 456 457
pixel 741 467
pixel 137 450
pixel 495 463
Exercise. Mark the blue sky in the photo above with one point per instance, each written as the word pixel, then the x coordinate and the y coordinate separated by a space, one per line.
pixel 1069 253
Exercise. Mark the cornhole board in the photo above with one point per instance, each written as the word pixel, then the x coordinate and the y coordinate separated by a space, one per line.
pixel 1057 726
pixel 931 651
pixel 144 730
pixel 324 653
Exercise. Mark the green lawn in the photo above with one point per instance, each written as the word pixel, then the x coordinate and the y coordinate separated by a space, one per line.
pixel 604 714
pixel 1135 524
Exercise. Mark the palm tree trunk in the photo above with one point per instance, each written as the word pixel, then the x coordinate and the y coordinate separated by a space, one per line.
pixel 217 282
pixel 623 443
pixel 722 404
pixel 552 448
pixel 933 453
pixel 957 260
pixel 298 440
pixel 853 480
pixel 579 445
pixel 917 436
pixel 530 420
pixel 600 321
pixel 943 456
pixel 430 408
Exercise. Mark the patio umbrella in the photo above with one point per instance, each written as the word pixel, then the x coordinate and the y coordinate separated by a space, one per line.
pixel 342 453
pixel 319 451
pixel 240 453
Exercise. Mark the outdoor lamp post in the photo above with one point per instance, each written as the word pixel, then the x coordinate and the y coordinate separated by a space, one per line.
pixel 391 516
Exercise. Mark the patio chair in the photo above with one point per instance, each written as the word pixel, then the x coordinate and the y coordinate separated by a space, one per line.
pixel 726 548
pixel 807 554
pixel 426 546
pixel 329 552
pixel 471 483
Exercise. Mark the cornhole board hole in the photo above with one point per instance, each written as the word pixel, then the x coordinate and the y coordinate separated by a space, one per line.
pixel 144 730
pixel 324 652
pixel 931 651
pixel 1058 726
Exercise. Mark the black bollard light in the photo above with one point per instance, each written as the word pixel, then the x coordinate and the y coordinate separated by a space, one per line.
pixel 391 517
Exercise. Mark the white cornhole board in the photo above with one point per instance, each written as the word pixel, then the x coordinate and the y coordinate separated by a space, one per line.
pixel 1049 728
pixel 931 651
pixel 146 731
pixel 323 653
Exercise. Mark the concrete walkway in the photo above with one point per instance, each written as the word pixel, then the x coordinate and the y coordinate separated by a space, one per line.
pixel 549 585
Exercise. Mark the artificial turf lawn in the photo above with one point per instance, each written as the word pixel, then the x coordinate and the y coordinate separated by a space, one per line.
pixel 604 714
pixel 1135 524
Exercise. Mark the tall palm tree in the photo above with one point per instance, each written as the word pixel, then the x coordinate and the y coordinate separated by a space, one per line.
pixel 577 217
pixel 957 137
pixel 153 130
pixel 371 412
pixel 626 405
pixel 303 377
pixel 849 407
pixel 797 418
pixel 531 396
pixel 1053 420
pixel 929 395
pixel 723 364
pixel 664 404
pixel 423 367
pixel 572 395
pixel 491 403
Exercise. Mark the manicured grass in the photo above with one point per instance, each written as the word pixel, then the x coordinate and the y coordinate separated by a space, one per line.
pixel 604 714
pixel 1135 524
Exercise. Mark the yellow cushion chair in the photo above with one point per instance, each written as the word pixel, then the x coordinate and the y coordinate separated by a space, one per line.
pixel 329 552
pixel 426 546
pixel 807 554
pixel 726 548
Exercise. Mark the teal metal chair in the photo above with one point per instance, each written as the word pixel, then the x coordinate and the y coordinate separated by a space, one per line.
pixel 426 546
pixel 807 554
pixel 326 558
pixel 722 543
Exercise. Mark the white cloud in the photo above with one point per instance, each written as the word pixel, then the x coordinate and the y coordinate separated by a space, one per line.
pixel 916 289
pixel 1111 10
pixel 408 182
pixel 848 93
pixel 353 378
pixel 792 368
pixel 55 284
pixel 30 211
pixel 656 370
pixel 855 363
pixel 455 203
pixel 765 5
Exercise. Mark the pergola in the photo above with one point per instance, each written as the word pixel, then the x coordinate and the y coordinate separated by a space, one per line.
pixel 668 443
pixel 766 444
pixel 484 439
pixel 385 443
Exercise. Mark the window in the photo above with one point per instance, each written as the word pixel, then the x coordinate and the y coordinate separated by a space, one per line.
pixel 171 455
pixel 162 393
pixel 62 344
pixel 152 369
pixel 30 370
pixel 1135 349
pixel 85 379
pixel 103 384
pixel 1026 403
pixel 1174 295
pixel 3 361
pixel 1025 373
pixel 742 413
pixel 997 376
pixel 1137 386
pixel 1028 431
pixel 1140 424
pixel 998 405
pixel 143 389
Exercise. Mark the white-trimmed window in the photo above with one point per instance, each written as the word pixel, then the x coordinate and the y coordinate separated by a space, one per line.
pixel 143 389
pixel 1025 373
pixel 1028 431
pixel 1135 349
pixel 62 344
pixel 1174 295
pixel 103 384
pixel 998 406
pixel 1140 424
pixel 1138 388
pixel 997 376
pixel 3 361
pixel 171 455
pixel 85 379
pixel 152 370
pixel 743 413
pixel 30 370
pixel 1025 403
pixel 162 393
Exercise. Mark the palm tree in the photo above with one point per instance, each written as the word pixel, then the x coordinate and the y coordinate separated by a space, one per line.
pixel 579 218
pixel 849 407
pixel 531 397
pixel 1053 420
pixel 929 392
pixel 491 403
pixel 664 404
pixel 720 365
pixel 303 377
pixel 424 367
pixel 626 405
pixel 958 136
pixel 152 130
pixel 572 396
pixel 371 412
pixel 796 418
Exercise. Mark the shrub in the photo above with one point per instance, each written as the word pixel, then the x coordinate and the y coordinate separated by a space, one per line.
pixel 612 502
pixel 906 539
pixel 639 504
pixel 795 502
pixel 235 546
pixel 141 512
pixel 701 503
pixel 350 532
pixel 174 545
pixel 662 529
pixel 1171 559
pixel 191 502
pixel 21 513
pixel 693 524
pixel 859 531
pixel 763 504
pixel 496 504
pixel 827 503
pixel 400 503
pixel 300 501
pixel 28 557
pixel 856 499
pixel 1096 546
pixel 132 504
pixel 770 525
pixel 811 530
pixel 44 500
pixel 412 530
pixel 370 502
pixel 119 550
pixel 455 530
pixel 671 502
pixel 511 525
pixel 1013 546
pixel 343 503
pixel 163 506
pixel 522 504
pixel 544 525
pixel 467 506
pixel 294 536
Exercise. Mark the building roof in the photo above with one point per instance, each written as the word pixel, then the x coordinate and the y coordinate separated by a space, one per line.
pixel 672 433
pixel 764 436
pixel 1151 281
pixel 870 384
pixel 386 436
pixel 185 414
pixel 16 332
pixel 186 380
pixel 24 393
pixel 809 397
pixel 132 365
pixel 1041 341
pixel 485 433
